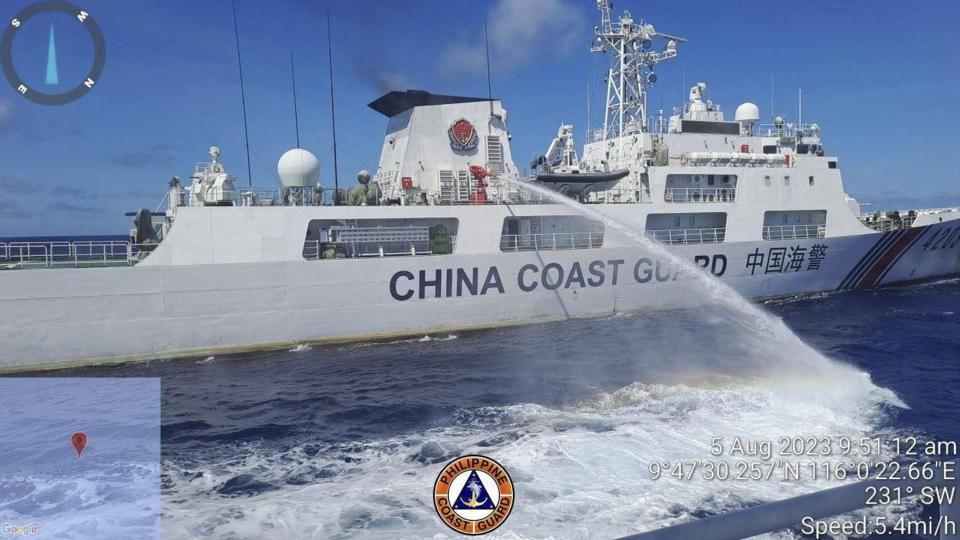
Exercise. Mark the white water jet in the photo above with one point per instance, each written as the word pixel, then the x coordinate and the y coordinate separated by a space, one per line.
pixel 717 289
pixel 765 323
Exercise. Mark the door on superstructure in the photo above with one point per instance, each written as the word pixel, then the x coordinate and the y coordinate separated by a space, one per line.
pixel 494 154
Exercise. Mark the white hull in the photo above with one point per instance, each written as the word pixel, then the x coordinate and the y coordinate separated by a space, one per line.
pixel 64 317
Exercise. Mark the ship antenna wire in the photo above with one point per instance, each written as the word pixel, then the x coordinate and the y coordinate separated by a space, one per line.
pixel 296 116
pixel 799 108
pixel 683 84
pixel 333 114
pixel 771 96
pixel 243 95
pixel 486 45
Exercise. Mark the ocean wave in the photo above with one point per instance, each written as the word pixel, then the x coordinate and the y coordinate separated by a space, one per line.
pixel 580 470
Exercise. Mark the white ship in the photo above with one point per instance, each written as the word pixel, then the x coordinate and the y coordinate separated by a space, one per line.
pixel 446 235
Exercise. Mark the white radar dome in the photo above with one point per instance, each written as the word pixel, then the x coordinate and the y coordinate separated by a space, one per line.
pixel 747 112
pixel 298 168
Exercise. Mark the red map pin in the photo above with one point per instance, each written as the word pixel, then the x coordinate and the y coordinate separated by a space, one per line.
pixel 79 440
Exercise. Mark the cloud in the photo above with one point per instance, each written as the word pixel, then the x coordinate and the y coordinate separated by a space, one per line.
pixel 74 192
pixel 519 31
pixel 135 194
pixel 11 210
pixel 31 130
pixel 65 207
pixel 13 184
pixel 896 200
pixel 158 154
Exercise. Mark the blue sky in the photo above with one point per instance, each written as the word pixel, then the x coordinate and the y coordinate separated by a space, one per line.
pixel 881 78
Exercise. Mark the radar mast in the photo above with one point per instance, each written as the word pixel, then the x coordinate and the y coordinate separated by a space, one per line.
pixel 631 69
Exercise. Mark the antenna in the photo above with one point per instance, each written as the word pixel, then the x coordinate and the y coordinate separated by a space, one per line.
pixel 683 83
pixel 243 96
pixel 486 45
pixel 630 71
pixel 588 109
pixel 333 114
pixel 296 117
pixel 771 95
pixel 800 108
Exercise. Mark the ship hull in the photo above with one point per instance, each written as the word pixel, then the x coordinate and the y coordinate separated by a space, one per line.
pixel 68 317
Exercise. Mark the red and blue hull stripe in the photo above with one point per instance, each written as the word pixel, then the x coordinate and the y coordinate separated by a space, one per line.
pixel 881 258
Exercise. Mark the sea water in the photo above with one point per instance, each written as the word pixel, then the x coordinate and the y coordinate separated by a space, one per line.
pixel 345 441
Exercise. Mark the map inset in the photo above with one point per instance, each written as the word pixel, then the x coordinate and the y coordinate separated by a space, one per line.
pixel 49 488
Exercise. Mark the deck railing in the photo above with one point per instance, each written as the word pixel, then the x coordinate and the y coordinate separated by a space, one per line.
pixel 619 196
pixel 700 195
pixel 792 232
pixel 15 255
pixel 688 236
pixel 491 194
pixel 551 241
pixel 771 130
pixel 316 249
pixel 884 225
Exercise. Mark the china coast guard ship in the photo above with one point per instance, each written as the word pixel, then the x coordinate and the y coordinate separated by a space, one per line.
pixel 446 235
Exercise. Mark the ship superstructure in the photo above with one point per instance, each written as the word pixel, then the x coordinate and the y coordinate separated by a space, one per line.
pixel 447 233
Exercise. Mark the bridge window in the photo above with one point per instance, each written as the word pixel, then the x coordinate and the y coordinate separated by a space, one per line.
pixel 689 188
pixel 687 228
pixel 791 224
pixel 544 233
pixel 360 238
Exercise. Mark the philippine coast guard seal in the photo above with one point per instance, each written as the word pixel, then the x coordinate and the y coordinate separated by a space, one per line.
pixel 473 495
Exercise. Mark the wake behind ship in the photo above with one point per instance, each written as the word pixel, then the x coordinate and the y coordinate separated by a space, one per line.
pixel 446 233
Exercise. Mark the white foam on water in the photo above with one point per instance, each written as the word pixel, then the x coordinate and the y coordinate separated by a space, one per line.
pixel 579 471
pixel 302 347
pixel 425 339
pixel 105 503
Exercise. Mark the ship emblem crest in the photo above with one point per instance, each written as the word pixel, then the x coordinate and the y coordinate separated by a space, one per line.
pixel 473 495
pixel 463 136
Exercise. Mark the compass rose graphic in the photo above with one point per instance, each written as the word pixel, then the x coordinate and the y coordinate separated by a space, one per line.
pixel 23 28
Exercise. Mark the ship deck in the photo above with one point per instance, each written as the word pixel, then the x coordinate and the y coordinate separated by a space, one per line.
pixel 61 254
